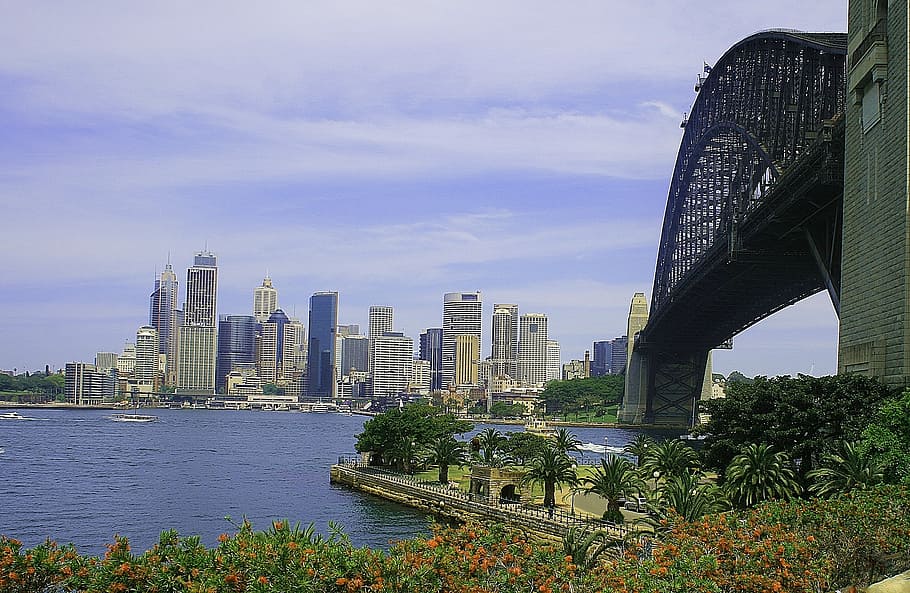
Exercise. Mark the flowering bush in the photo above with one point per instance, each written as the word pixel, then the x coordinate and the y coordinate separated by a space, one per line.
pixel 816 545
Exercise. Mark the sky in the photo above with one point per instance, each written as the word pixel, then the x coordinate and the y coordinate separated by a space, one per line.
pixel 392 151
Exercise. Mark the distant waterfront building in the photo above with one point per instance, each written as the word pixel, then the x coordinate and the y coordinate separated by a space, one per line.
pixel 393 362
pixel 574 369
pixel 504 351
pixel 532 349
pixel 293 353
pixel 321 351
pixel 271 346
pixel 461 315
pixel 431 351
pixel 348 329
pixel 467 357
pixel 163 317
pixel 619 351
pixel 106 361
pixel 420 377
pixel 196 341
pixel 554 364
pixel 85 385
pixel 146 372
pixel 126 362
pixel 603 356
pixel 265 300
pixel 355 354
pixel 236 347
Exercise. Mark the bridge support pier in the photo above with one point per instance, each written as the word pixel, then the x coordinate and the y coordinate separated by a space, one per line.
pixel 663 387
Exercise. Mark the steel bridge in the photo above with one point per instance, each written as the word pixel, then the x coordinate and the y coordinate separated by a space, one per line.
pixel 753 217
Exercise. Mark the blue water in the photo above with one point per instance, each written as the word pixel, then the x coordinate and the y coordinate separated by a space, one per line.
pixel 76 476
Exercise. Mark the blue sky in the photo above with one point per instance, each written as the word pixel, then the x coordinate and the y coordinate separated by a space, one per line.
pixel 392 151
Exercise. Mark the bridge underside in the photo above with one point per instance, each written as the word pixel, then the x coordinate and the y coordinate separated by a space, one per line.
pixel 786 251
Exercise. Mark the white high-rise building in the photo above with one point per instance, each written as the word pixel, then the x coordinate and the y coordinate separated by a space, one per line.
pixel 532 349
pixel 146 371
pixel 467 357
pixel 393 360
pixel 461 315
pixel 554 366
pixel 381 321
pixel 265 300
pixel 197 340
pixel 163 317
pixel 504 351
pixel 126 362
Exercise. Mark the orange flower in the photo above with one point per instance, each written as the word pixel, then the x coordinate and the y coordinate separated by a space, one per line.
pixel 263 580
pixel 223 537
pixel 341 581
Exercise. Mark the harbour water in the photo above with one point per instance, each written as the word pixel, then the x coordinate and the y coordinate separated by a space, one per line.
pixel 76 476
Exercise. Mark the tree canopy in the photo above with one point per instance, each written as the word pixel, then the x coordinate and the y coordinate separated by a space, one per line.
pixel 802 417
pixel 399 431
pixel 576 394
pixel 887 438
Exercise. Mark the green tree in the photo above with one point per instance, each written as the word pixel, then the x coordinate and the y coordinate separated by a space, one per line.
pixel 487 446
pixel 594 392
pixel 639 447
pixel 396 433
pixel 443 452
pixel 504 410
pixel 759 473
pixel 802 417
pixel 616 478
pixel 522 446
pixel 668 458
pixel 550 468
pixel 845 470
pixel 584 549
pixel 887 438
pixel 272 389
pixel 687 496
pixel 564 440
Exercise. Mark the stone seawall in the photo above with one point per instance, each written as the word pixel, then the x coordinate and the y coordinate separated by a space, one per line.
pixel 457 505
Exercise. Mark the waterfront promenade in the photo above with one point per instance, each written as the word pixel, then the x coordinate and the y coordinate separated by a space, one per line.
pixel 456 504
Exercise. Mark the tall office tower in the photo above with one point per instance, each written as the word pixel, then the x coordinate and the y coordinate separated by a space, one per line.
pixel 554 364
pixel 461 315
pixel 146 371
pixel 504 352
pixel 603 355
pixel 431 351
pixel 355 354
pixel 163 317
pixel 874 338
pixel 532 349
pixel 321 351
pixel 236 347
pixel 271 346
pixel 467 357
pixel 197 345
pixel 265 300
pixel 619 352
pixel 381 321
pixel 106 361
pixel 393 363
pixel 293 353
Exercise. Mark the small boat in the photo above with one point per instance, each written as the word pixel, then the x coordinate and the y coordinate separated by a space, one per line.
pixel 540 428
pixel 133 418
pixel 13 416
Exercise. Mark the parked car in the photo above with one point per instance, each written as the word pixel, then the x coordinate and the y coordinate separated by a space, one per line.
pixel 639 505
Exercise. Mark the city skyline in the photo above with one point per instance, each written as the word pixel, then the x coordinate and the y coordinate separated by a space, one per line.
pixel 522 153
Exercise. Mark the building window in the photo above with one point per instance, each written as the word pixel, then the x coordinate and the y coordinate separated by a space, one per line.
pixel 872 109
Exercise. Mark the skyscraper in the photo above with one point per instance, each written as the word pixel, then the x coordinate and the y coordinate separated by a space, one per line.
pixel 504 351
pixel 619 351
pixel 461 315
pixel 236 346
pixel 146 369
pixel 197 344
pixel 271 346
pixel 532 349
pixel 554 362
pixel 393 363
pixel 467 356
pixel 163 317
pixel 321 352
pixel 381 321
pixel 431 351
pixel 265 300
pixel 603 356
pixel 355 354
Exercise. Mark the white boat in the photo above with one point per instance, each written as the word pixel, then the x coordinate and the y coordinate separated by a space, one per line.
pixel 133 418
pixel 13 416
pixel 540 428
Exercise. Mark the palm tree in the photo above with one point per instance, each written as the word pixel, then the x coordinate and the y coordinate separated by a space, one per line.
pixel 845 470
pixel 668 458
pixel 486 444
pixel 639 447
pixel 445 451
pixel 585 549
pixel 615 479
pixel 565 441
pixel 686 496
pixel 759 473
pixel 403 455
pixel 551 467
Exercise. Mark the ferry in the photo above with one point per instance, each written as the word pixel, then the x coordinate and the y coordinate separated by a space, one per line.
pixel 540 428
pixel 12 416
pixel 133 418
